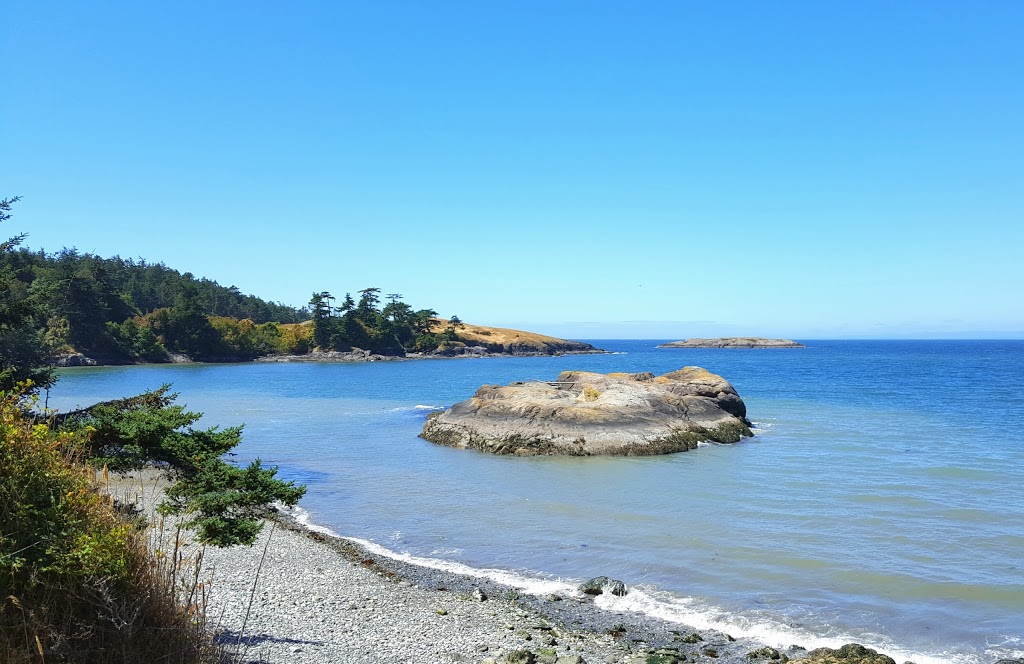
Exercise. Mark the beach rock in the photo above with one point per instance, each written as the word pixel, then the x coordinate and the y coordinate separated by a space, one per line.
pixel 520 657
pixel 1011 661
pixel 582 414
pixel 617 588
pixel 602 584
pixel 570 659
pixel 479 595
pixel 593 587
pixel 767 653
pixel 733 342
pixel 851 653
pixel 74 360
pixel 546 656
pixel 662 657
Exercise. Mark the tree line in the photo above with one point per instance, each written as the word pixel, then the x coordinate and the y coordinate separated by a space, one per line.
pixel 123 310
pixel 392 329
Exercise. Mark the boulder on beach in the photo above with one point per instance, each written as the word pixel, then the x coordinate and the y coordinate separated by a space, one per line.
pixel 851 653
pixel 599 585
pixel 733 342
pixel 582 414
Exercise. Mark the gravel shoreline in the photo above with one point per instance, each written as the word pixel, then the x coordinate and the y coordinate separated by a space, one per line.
pixel 320 598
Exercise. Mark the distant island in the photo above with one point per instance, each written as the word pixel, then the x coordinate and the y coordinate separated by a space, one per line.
pixel 733 342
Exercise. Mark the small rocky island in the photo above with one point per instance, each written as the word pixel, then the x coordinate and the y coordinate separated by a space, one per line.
pixel 582 414
pixel 733 342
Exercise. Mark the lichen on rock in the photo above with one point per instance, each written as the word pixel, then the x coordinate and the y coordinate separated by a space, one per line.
pixel 583 413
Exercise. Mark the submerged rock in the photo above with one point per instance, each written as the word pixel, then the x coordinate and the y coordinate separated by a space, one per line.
pixel 582 413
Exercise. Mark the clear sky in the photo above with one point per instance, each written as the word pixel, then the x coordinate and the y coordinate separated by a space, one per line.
pixel 588 169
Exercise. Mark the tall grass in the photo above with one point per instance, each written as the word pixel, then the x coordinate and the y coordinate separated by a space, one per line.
pixel 82 579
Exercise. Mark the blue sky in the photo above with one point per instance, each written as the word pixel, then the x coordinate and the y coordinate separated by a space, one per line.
pixel 588 169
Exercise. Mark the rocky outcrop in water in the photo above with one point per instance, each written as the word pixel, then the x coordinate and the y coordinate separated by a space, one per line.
pixel 733 342
pixel 582 413
pixel 354 355
pixel 74 360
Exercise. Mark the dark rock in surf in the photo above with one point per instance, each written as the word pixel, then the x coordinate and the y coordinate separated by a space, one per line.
pixel 602 584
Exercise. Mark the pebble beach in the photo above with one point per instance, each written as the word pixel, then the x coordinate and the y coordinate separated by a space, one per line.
pixel 299 595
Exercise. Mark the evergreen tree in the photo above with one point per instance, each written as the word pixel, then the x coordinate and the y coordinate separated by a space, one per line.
pixel 23 349
pixel 366 310
pixel 188 328
pixel 323 322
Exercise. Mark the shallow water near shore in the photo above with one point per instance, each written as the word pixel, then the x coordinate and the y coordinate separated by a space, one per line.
pixel 881 501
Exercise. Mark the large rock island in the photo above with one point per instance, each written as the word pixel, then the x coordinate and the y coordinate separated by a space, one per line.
pixel 582 414
pixel 733 342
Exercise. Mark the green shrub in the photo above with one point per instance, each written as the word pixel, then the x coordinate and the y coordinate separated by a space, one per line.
pixel 79 583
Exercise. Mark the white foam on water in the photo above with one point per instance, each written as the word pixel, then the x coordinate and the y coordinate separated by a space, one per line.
pixel 687 611
pixel 694 613
pixel 418 408
pixel 527 584
pixel 1011 647
pixel 303 517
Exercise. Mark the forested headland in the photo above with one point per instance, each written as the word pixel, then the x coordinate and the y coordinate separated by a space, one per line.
pixel 119 310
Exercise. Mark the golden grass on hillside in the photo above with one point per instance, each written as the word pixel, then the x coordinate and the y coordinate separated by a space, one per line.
pixel 496 335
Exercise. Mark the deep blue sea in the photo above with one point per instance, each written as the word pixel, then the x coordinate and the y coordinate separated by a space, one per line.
pixel 881 501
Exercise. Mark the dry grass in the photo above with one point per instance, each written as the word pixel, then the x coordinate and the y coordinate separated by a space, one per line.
pixel 483 335
pixel 80 580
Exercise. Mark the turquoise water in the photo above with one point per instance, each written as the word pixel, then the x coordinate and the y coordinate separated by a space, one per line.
pixel 882 500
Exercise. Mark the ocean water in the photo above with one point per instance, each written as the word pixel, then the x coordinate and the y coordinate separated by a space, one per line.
pixel 882 500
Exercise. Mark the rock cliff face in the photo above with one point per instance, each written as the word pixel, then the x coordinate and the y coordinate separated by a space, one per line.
pixel 582 414
pixel 733 342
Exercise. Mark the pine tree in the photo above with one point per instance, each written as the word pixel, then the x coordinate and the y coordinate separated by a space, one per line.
pixel 23 349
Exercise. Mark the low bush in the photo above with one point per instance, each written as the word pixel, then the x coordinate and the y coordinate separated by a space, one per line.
pixel 77 580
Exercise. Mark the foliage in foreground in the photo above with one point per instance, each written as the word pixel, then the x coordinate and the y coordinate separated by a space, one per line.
pixel 223 503
pixel 78 581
